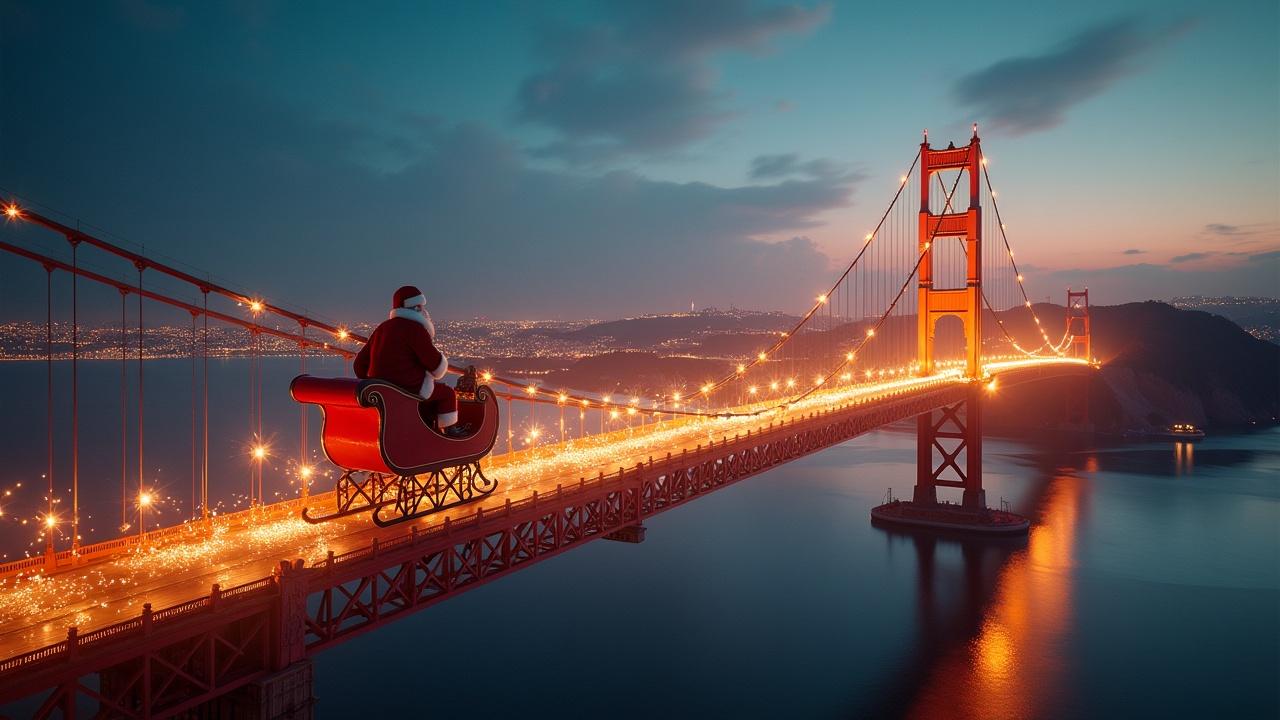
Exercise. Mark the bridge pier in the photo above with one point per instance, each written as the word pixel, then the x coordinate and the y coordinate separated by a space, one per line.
pixel 949 455
pixel 942 437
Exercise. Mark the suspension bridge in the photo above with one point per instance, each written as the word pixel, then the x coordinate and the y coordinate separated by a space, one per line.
pixel 217 614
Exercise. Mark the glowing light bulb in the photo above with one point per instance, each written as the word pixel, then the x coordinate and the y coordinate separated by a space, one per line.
pixel 1019 278
pixel 145 499
pixel 753 390
pixel 822 299
pixel 635 400
pixel 984 161
pixel 791 382
pixel 606 399
pixel 741 367
pixel 631 411
pixel 613 414
pixel 586 402
pixel 534 433
pixel 486 376
pixel 563 398
pixel 49 520
pixel 676 397
pixel 531 389
pixel 12 210
pixel 871 332
pixel 818 380
pixel 848 357
pixel 761 357
pixel 773 385
pixel 255 306
pixel 343 334
pixel 305 471
pixel 259 452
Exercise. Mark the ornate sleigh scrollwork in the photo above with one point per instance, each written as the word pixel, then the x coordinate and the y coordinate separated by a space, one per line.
pixel 421 495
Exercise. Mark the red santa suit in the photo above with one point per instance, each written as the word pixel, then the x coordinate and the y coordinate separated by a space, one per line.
pixel 402 351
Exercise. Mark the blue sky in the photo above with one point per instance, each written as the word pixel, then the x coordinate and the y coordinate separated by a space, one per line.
pixel 595 159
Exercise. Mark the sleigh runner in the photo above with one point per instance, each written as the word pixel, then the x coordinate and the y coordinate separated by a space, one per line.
pixel 396 463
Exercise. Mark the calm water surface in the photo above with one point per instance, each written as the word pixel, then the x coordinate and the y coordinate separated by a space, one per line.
pixel 1149 586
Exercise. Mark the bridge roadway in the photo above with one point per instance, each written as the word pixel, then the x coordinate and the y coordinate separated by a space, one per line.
pixel 36 612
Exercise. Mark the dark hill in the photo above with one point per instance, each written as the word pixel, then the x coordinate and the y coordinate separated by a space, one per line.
pixel 1161 365
pixel 637 372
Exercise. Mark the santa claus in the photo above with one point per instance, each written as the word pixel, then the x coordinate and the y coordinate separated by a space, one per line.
pixel 402 351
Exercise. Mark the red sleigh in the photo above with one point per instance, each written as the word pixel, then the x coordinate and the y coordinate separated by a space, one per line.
pixel 394 460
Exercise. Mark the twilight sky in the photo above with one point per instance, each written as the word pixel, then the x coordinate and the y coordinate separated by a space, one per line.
pixel 598 159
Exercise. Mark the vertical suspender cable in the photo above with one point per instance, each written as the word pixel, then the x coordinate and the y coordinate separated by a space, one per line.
pixel 141 412
pixel 75 400
pixel 194 497
pixel 204 472
pixel 256 441
pixel 257 405
pixel 304 474
pixel 124 413
pixel 48 358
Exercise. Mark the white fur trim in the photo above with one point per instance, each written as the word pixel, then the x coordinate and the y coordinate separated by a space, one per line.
pixel 447 419
pixel 431 327
pixel 410 314
pixel 428 386
pixel 443 369
pixel 415 300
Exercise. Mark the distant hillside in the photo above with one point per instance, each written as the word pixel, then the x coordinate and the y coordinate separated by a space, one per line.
pixel 643 332
pixel 637 372
pixel 1259 316
pixel 1161 365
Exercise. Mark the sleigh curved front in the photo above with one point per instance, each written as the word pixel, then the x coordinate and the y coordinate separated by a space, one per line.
pixel 374 426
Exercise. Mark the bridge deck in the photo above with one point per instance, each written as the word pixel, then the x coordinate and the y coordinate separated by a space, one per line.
pixel 36 612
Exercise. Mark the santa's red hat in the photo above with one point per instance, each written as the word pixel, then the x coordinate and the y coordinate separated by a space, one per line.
pixel 408 296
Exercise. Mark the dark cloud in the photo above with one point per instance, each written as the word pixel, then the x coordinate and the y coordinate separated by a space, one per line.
pixel 1222 229
pixel 1025 94
pixel 643 82
pixel 1134 251
pixel 1240 235
pixel 787 164
pixel 1190 257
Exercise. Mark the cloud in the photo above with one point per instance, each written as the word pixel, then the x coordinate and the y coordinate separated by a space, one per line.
pixel 787 164
pixel 1025 94
pixel 1239 236
pixel 1134 251
pixel 1222 229
pixel 1190 257
pixel 643 83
